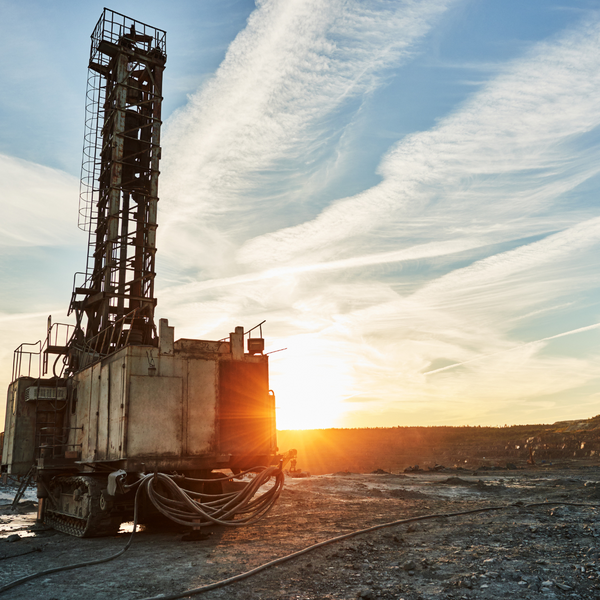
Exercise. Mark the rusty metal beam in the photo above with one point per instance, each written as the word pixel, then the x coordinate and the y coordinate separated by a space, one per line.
pixel 121 166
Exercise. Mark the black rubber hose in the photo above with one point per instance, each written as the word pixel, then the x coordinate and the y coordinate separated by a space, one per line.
pixel 224 582
pixel 224 509
pixel 278 561
pixel 99 561
pixel 265 503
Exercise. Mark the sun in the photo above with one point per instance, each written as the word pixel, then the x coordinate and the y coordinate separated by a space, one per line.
pixel 310 387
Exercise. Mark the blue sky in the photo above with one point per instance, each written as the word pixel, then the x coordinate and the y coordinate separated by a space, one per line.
pixel 406 191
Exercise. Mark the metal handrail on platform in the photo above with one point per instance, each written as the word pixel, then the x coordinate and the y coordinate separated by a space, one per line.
pixel 31 359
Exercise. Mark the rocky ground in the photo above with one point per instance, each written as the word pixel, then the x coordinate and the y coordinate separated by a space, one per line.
pixel 549 551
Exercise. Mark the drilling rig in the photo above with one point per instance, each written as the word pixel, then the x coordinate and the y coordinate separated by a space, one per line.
pixel 103 407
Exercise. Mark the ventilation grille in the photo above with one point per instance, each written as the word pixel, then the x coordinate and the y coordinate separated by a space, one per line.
pixel 45 393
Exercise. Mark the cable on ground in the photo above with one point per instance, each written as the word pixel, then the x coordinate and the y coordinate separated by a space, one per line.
pixel 278 561
pixel 183 509
pixel 225 582
pixel 232 509
pixel 98 561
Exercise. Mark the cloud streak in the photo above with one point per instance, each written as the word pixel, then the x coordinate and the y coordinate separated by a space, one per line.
pixel 39 205
pixel 478 235
pixel 296 68
pixel 499 267
pixel 423 251
pixel 513 144
pixel 535 342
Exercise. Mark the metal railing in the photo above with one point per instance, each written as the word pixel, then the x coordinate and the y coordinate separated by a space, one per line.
pixel 31 359
pixel 109 340
pixel 27 362
pixel 114 27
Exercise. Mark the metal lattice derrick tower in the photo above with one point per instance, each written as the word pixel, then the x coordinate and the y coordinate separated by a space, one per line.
pixel 119 184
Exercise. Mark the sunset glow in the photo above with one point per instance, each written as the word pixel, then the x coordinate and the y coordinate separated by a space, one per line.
pixel 407 192
pixel 311 386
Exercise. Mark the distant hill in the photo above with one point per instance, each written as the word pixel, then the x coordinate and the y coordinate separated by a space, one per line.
pixel 395 448
pixel 585 425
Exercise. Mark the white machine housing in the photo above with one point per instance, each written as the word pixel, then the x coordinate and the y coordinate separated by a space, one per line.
pixel 186 405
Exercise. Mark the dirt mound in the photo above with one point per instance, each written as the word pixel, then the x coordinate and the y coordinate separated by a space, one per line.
pixel 25 506
pixel 405 494
pixel 458 481
pixel 566 482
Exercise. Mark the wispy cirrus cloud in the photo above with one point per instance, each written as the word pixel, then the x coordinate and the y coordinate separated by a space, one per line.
pixel 464 319
pixel 517 348
pixel 564 246
pixel 486 207
pixel 505 156
pixel 276 104
pixel 482 236
pixel 39 204
pixel 417 252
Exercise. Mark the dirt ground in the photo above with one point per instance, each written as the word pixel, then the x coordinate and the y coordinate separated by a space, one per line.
pixel 541 552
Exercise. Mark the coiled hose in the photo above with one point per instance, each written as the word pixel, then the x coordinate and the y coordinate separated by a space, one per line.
pixel 246 506
pixel 220 509
pixel 233 509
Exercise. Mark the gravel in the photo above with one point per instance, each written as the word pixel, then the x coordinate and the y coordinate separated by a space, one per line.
pixel 550 551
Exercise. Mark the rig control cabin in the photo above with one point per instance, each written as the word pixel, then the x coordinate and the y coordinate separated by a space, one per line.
pixel 186 406
pixel 99 403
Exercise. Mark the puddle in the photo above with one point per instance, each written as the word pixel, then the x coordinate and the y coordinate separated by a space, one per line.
pixel 7 493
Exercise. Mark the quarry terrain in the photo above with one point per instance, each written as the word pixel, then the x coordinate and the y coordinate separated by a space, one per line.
pixel 516 550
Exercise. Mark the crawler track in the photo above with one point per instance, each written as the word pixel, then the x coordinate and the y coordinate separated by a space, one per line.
pixel 91 520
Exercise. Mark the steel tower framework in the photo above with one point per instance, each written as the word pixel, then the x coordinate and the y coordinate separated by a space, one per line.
pixel 119 184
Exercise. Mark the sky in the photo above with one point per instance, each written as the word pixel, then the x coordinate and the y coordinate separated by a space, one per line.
pixel 406 191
